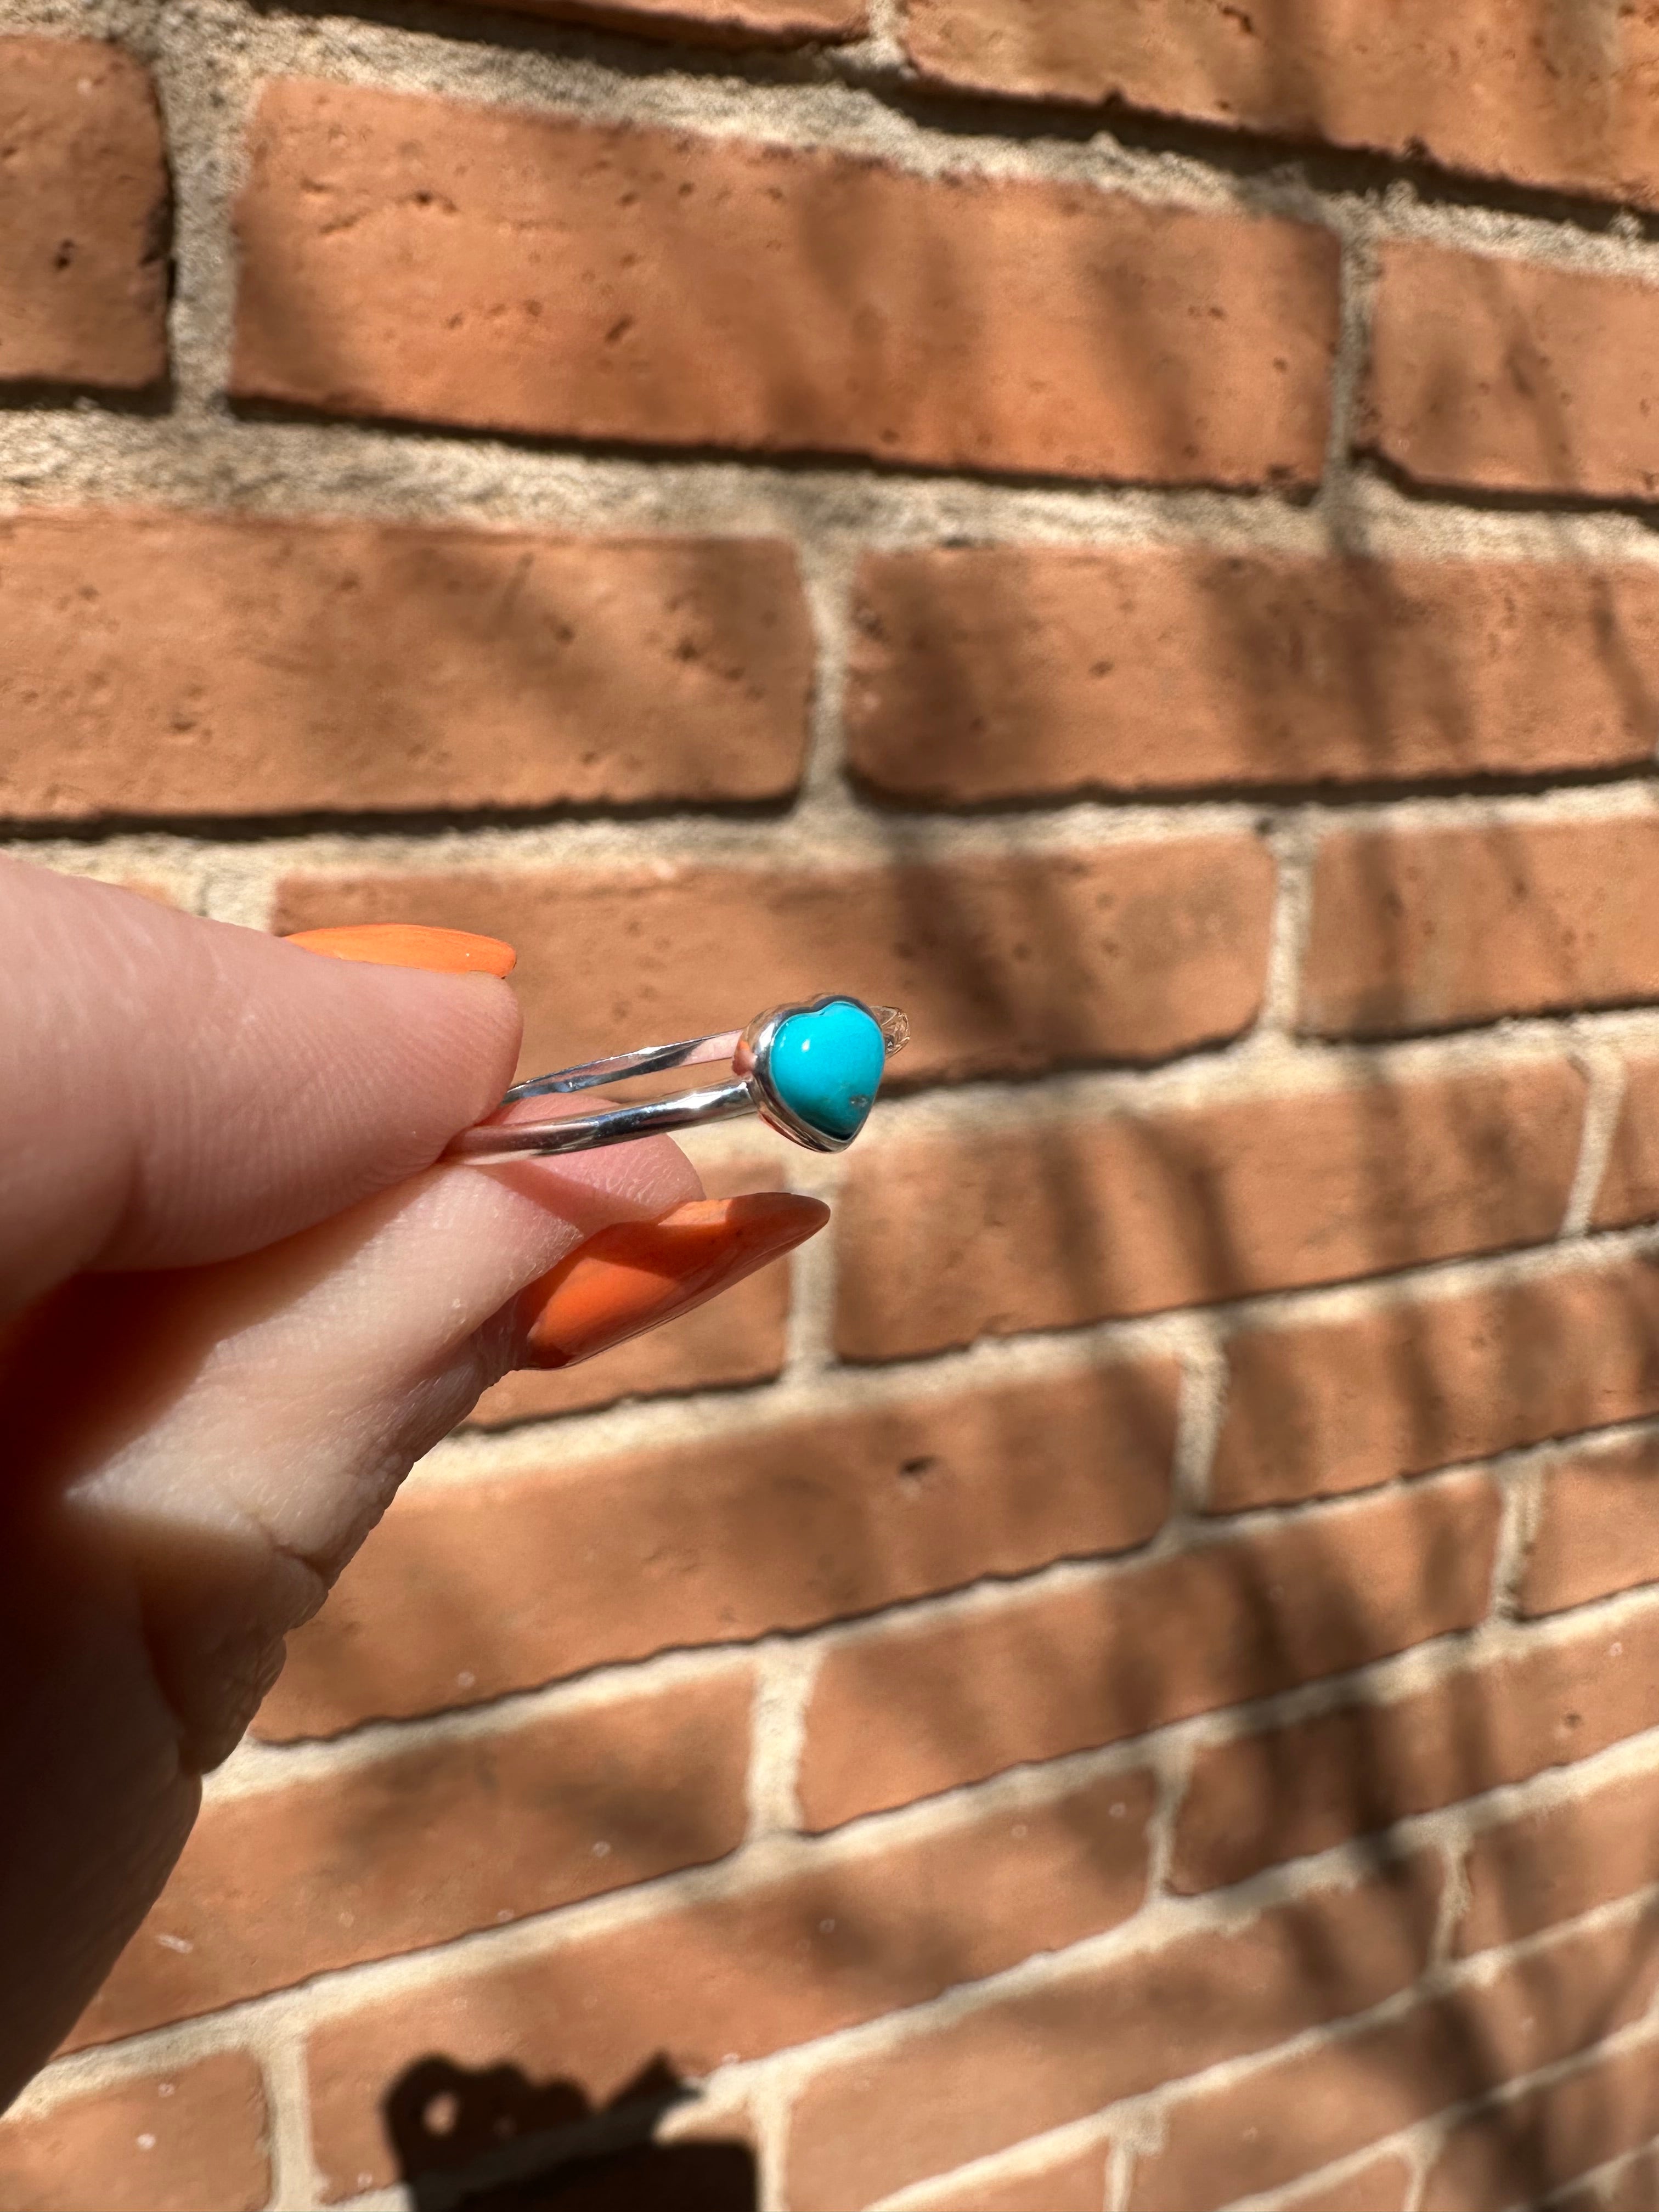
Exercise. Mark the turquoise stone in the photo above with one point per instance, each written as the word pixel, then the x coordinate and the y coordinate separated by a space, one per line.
pixel 826 1065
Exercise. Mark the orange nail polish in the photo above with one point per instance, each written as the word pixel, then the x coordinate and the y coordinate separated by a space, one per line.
pixel 408 944
pixel 638 1274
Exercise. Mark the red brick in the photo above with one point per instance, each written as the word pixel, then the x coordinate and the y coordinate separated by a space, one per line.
pixel 536 273
pixel 899 1715
pixel 846 1941
pixel 1434 929
pixel 1549 1865
pixel 413 1847
pixel 737 1338
pixel 997 672
pixel 1504 2159
pixel 182 2141
pixel 1306 2110
pixel 720 22
pixel 945 1236
pixel 1512 375
pixel 1254 1800
pixel 761 1530
pixel 1629 1182
pixel 1505 87
pixel 225 666
pixel 1324 1405
pixel 1015 2067
pixel 1076 2183
pixel 1597 1528
pixel 1007 963
pixel 84 220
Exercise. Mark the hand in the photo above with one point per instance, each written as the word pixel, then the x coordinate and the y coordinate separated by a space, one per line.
pixel 237 1301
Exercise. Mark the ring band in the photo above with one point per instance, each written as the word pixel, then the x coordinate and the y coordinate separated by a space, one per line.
pixel 810 1071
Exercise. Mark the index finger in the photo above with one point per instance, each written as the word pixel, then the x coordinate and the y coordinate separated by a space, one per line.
pixel 174 1090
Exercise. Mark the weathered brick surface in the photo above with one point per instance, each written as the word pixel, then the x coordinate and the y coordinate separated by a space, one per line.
pixel 920 1708
pixel 426 1842
pixel 737 1338
pixel 83 216
pixel 1028 2063
pixel 720 22
pixel 763 1529
pixel 776 1966
pixel 536 273
pixel 1596 1528
pixel 1435 929
pixel 1305 2111
pixel 1504 2158
pixel 1322 1405
pixel 1546 1866
pixel 995 672
pixel 1512 375
pixel 223 665
pixel 1007 965
pixel 180 2141
pixel 1069 1217
pixel 1508 89
pixel 1256 1799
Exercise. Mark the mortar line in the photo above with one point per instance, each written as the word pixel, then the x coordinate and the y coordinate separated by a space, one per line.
pixel 1604 1079
pixel 1292 841
pixel 829 834
pixel 296 2185
pixel 455 478
pixel 784 1688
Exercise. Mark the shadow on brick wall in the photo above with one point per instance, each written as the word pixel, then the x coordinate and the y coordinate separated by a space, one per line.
pixel 489 2139
pixel 493 2140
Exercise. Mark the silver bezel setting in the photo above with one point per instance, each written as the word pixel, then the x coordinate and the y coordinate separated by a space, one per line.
pixel 772 1108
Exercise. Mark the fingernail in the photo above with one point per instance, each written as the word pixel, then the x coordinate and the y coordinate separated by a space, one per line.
pixel 408 944
pixel 636 1274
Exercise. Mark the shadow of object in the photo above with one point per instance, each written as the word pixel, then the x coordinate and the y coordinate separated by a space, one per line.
pixel 490 2140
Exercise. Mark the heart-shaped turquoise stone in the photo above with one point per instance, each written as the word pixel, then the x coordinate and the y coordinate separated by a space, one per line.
pixel 826 1066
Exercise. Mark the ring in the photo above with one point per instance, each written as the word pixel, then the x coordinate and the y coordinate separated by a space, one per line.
pixel 811 1071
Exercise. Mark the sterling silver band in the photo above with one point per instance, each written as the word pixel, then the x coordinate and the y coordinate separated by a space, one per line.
pixel 748 1090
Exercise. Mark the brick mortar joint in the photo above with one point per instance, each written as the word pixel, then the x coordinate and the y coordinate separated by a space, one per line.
pixel 216 464
pixel 830 838
pixel 1605 1070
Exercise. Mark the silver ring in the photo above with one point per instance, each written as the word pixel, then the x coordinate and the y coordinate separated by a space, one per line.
pixel 810 1071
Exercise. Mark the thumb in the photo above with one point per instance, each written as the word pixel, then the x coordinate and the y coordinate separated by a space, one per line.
pixel 175 1090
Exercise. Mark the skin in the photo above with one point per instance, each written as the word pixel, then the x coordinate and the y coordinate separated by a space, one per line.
pixel 237 1301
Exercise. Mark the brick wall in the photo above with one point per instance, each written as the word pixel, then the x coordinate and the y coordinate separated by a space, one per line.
pixel 1129 1682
